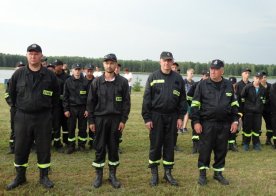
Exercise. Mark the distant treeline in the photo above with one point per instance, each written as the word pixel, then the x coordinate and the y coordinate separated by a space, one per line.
pixel 9 60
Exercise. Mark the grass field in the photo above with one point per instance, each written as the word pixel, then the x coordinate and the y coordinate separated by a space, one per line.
pixel 250 173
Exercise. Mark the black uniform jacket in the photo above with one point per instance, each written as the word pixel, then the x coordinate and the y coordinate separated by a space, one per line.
pixel 75 92
pixel 30 96
pixel 272 98
pixel 252 102
pixel 108 98
pixel 164 94
pixel 213 104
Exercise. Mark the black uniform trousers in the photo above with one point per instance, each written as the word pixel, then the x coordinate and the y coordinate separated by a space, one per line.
pixel 60 121
pixel 12 135
pixel 106 138
pixel 268 125
pixel 91 136
pixel 252 124
pixel 273 123
pixel 214 137
pixel 77 115
pixel 30 127
pixel 162 136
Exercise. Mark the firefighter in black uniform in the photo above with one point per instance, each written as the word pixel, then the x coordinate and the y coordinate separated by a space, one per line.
pixel 272 99
pixel 190 94
pixel 253 98
pixel 60 73
pixel 108 105
pixel 267 109
pixel 12 112
pixel 74 106
pixel 232 143
pixel 34 92
pixel 164 106
pixel 89 69
pixel 215 113
pixel 241 84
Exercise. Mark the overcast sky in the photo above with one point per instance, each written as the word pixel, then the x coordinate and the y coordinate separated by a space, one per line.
pixel 195 30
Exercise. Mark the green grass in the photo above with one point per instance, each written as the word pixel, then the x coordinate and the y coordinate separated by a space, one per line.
pixel 251 173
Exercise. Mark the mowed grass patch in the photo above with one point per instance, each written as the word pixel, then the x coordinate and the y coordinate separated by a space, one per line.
pixel 250 173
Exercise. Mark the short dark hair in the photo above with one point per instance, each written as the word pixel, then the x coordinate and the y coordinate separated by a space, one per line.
pixel 177 65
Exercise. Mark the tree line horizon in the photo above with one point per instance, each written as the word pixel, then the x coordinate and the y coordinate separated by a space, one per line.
pixel 234 69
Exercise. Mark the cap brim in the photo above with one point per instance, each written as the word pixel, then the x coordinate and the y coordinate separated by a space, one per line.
pixel 110 60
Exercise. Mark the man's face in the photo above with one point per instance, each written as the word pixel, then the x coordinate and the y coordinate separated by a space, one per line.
pixel 59 68
pixel 245 75
pixel 76 72
pixel 34 58
pixel 118 69
pixel 264 79
pixel 174 68
pixel 89 72
pixel 166 64
pixel 215 74
pixel 190 74
pixel 109 66
pixel 257 80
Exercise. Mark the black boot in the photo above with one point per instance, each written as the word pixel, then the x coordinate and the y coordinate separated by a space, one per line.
pixel 219 177
pixel 154 176
pixel 233 147
pixel 195 147
pixel 19 179
pixel 71 148
pixel 11 148
pixel 169 178
pixel 268 141
pixel 202 180
pixel 99 178
pixel 112 177
pixel 58 146
pixel 43 178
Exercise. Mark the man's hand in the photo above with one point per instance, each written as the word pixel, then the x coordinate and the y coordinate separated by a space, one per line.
pixel 198 128
pixel 234 127
pixel 149 125
pixel 92 127
pixel 85 114
pixel 179 123
pixel 67 114
pixel 121 127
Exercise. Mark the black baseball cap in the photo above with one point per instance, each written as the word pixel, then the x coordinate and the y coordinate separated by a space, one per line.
pixel 20 64
pixel 110 57
pixel 259 74
pixel 246 69
pixel 34 47
pixel 264 73
pixel 233 80
pixel 206 73
pixel 166 55
pixel 76 66
pixel 57 62
pixel 217 64
pixel 51 65
pixel 89 66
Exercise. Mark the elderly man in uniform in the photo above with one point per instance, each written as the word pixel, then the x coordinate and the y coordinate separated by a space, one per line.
pixel 214 111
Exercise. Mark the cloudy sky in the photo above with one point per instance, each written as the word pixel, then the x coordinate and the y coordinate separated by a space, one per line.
pixel 193 30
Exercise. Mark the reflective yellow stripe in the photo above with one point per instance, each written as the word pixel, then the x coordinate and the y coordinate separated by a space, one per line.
pixel 43 166
pixel 235 103
pixel 114 163
pixel 98 164
pixel 83 92
pixel 255 134
pixel 152 162
pixel 203 167
pixel 119 99
pixel 157 82
pixel 71 139
pixel 220 169
pixel 48 93
pixel 90 139
pixel 11 141
pixel 274 137
pixel 247 134
pixel 177 93
pixel 195 137
pixel 56 139
pixel 270 131
pixel 6 95
pixel 242 99
pixel 65 132
pixel 189 98
pixel 196 104
pixel 240 114
pixel 167 163
pixel 228 94
pixel 23 165
pixel 82 139
pixel 231 141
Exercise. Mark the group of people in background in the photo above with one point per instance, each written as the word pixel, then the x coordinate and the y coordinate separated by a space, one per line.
pixel 48 102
